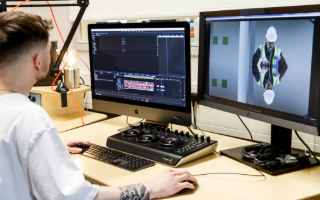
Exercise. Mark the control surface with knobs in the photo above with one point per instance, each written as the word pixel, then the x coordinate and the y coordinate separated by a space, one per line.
pixel 162 144
pixel 187 134
pixel 182 133
pixel 202 137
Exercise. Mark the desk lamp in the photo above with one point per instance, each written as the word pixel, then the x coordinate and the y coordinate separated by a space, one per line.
pixel 71 74
pixel 83 4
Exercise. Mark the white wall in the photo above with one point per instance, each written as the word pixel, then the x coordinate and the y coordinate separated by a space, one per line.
pixel 61 15
pixel 110 9
pixel 207 118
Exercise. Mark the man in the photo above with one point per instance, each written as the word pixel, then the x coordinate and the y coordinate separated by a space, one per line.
pixel 34 162
pixel 269 65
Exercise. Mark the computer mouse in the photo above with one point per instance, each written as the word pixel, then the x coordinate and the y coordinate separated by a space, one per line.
pixel 193 183
pixel 185 189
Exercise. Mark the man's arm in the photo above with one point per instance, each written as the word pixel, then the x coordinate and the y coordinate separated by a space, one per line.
pixel 52 172
pixel 164 185
pixel 255 60
pixel 282 66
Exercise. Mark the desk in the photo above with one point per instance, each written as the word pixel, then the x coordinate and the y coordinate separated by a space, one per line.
pixel 66 118
pixel 294 185
pixel 73 120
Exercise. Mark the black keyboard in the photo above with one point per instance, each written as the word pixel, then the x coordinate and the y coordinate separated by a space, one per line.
pixel 116 158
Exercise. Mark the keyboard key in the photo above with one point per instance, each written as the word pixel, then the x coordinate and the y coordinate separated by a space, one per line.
pixel 114 157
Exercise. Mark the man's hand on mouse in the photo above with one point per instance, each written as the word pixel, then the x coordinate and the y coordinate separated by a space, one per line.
pixel 71 143
pixel 169 182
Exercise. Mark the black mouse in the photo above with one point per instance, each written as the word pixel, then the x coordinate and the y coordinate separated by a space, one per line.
pixel 185 189
pixel 193 183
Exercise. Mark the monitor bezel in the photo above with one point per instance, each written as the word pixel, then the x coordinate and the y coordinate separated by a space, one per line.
pixel 228 105
pixel 186 26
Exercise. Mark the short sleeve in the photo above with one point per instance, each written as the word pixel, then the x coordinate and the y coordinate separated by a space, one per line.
pixel 53 173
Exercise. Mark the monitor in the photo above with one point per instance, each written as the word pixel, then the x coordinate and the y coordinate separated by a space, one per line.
pixel 141 70
pixel 263 64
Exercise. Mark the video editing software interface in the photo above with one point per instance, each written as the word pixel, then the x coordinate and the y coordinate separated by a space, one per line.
pixel 267 64
pixel 140 64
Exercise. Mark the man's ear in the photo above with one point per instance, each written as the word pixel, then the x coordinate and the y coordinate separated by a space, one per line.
pixel 37 62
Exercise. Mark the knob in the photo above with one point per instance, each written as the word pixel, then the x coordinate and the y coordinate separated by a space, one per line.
pixel 176 132
pixel 168 130
pixel 196 136
pixel 33 99
pixel 150 126
pixel 182 133
pixel 162 129
pixel 208 139
pixel 158 128
pixel 187 134
pixel 202 137
pixel 141 124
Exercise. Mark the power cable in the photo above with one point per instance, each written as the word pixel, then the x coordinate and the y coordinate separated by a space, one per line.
pixel 260 175
pixel 85 64
pixel 82 81
pixel 174 118
pixel 194 125
pixel 194 116
pixel 246 127
pixel 307 146
pixel 132 124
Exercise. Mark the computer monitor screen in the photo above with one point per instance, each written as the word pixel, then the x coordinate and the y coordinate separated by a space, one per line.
pixel 265 67
pixel 145 65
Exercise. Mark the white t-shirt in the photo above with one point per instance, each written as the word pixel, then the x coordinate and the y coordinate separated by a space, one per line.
pixel 34 163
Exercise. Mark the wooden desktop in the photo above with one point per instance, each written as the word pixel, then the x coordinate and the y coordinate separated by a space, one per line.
pixel 302 184
pixel 66 118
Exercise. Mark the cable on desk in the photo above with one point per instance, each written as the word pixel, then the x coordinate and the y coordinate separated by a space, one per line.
pixel 246 127
pixel 307 146
pixel 194 125
pixel 84 94
pixel 198 128
pixel 82 81
pixel 132 124
pixel 262 175
pixel 194 116
pixel 174 118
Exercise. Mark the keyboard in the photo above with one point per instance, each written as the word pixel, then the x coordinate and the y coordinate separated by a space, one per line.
pixel 116 158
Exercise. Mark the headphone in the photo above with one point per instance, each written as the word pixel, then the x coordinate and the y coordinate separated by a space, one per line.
pixel 268 156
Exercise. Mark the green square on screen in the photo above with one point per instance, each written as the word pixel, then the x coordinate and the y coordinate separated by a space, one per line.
pixel 214 82
pixel 224 83
pixel 225 40
pixel 215 40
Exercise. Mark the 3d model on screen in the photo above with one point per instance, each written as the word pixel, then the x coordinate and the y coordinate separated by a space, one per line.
pixel 269 65
pixel 265 63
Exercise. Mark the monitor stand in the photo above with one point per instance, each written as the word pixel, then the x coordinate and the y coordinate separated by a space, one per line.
pixel 280 137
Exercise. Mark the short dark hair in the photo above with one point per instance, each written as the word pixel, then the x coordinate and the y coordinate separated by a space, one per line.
pixel 19 33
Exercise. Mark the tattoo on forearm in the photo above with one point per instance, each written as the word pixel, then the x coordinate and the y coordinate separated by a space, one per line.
pixel 134 192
